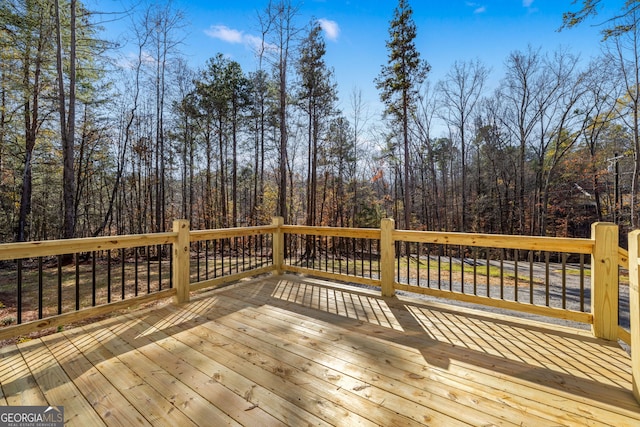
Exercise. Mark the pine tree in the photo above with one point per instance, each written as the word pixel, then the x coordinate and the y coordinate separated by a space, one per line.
pixel 317 96
pixel 399 82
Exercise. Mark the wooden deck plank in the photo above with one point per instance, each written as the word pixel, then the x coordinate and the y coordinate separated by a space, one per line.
pixel 299 351
pixel 153 405
pixel 192 368
pixel 256 376
pixel 508 341
pixel 57 387
pixel 254 395
pixel 186 404
pixel 447 396
pixel 486 367
pixel 275 353
pixel 452 387
pixel 537 348
pixel 310 405
pixel 106 400
pixel 18 385
pixel 344 375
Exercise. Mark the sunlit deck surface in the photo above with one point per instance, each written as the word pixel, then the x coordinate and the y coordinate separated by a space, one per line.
pixel 297 351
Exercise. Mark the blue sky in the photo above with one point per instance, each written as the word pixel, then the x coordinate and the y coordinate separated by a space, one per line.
pixel 357 30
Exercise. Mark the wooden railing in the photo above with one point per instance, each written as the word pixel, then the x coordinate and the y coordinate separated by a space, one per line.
pixel 634 308
pixel 457 266
pixel 97 276
pixel 400 250
pixel 66 254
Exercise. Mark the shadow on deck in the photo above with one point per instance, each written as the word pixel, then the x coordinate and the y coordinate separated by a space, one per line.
pixel 297 351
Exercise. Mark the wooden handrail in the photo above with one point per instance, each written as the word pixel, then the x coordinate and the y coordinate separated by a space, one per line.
pixel 358 233
pixel 225 233
pixel 501 241
pixel 10 251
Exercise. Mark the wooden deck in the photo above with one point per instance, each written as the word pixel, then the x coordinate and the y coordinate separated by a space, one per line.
pixel 291 351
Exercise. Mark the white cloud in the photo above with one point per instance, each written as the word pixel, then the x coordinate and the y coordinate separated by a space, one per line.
pixel 527 3
pixel 225 33
pixel 477 9
pixel 230 35
pixel 131 59
pixel 330 28
pixel 256 44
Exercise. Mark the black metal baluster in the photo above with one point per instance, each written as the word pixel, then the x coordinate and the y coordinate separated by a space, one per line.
pixel 93 278
pixel 515 269
pixel 475 271
pixel 40 288
pixel 19 291
pixel 59 284
pixel 530 277
pixel 428 265
pixel 450 268
pixel 546 279
pixel 488 273
pixel 122 272
pixel 148 250
pixel 206 260
pixel 198 261
pixel 136 276
pixel 109 275
pixel 77 259
pixel 502 255
pixel 159 249
pixel 418 264
pixel 582 282
pixel 564 280
pixel 171 269
pixel 462 258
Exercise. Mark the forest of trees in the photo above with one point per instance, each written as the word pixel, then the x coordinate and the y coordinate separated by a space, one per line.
pixel 91 145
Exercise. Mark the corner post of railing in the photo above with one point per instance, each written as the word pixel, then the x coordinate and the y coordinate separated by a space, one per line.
pixel 634 309
pixel 278 245
pixel 604 280
pixel 181 260
pixel 387 257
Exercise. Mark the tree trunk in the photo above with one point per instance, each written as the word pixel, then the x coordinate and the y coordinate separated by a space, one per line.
pixel 67 122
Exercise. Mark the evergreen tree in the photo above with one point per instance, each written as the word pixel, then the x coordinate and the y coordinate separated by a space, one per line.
pixel 317 95
pixel 399 82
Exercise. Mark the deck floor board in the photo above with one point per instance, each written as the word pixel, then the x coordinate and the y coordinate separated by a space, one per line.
pixel 287 350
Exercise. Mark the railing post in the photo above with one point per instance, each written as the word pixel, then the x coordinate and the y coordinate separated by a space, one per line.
pixel 181 261
pixel 387 257
pixel 604 280
pixel 278 245
pixel 634 309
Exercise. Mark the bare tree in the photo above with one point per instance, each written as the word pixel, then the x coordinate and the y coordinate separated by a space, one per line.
pixel 519 91
pixel 162 24
pixel 560 124
pixel 279 33
pixel 460 91
pixel 359 118
pixel 624 52
pixel 597 106
pixel 423 120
